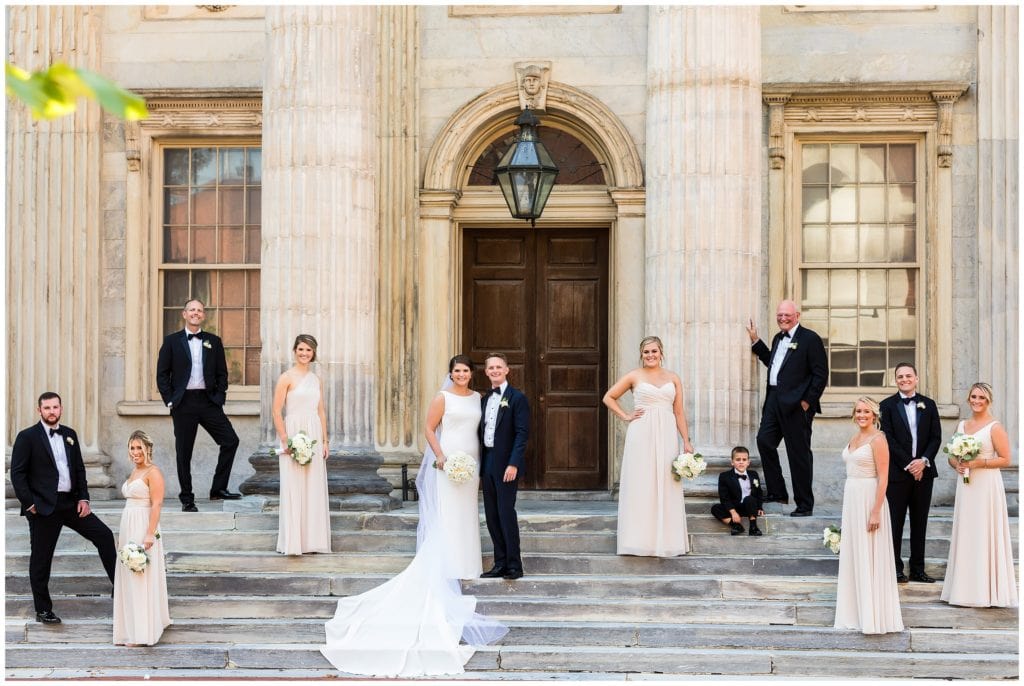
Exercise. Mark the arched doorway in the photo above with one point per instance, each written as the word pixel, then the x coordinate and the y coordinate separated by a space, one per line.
pixel 543 296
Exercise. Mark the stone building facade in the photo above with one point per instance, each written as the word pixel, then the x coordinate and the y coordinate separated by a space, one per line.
pixel 329 170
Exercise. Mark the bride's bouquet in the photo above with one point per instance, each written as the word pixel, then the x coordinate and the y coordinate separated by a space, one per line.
pixel 689 465
pixel 833 537
pixel 301 447
pixel 134 557
pixel 965 448
pixel 460 467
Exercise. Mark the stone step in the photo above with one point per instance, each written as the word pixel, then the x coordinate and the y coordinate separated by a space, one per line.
pixel 511 660
pixel 521 608
pixel 565 634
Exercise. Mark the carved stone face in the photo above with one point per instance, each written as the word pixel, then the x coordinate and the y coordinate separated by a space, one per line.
pixel 531 84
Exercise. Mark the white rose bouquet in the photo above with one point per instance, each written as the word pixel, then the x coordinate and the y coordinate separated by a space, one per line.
pixel 833 536
pixel 134 557
pixel 965 448
pixel 689 465
pixel 301 447
pixel 459 467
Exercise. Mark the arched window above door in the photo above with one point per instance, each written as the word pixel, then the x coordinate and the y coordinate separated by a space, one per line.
pixel 577 165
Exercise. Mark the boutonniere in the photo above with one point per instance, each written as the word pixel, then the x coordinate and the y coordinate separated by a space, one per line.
pixel 757 484
pixel 69 440
pixel 206 344
pixel 503 403
pixel 793 345
pixel 920 405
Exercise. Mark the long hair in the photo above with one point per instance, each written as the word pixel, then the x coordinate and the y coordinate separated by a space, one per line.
pixel 308 340
pixel 872 405
pixel 147 445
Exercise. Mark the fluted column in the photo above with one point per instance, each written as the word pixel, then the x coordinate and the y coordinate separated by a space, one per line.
pixel 998 206
pixel 319 259
pixel 703 225
pixel 53 257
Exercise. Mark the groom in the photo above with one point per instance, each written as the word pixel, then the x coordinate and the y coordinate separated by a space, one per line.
pixel 504 429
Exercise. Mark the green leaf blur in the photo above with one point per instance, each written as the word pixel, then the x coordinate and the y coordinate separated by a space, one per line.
pixel 54 93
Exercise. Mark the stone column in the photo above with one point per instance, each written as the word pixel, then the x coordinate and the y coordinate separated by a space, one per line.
pixel 998 208
pixel 703 226
pixel 54 259
pixel 320 252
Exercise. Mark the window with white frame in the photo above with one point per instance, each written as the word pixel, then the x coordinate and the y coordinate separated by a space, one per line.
pixel 859 252
pixel 210 245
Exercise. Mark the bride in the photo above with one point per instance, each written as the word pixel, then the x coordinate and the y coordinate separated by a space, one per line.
pixel 411 624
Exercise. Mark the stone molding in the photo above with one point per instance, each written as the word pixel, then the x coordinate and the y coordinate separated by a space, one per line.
pixel 460 11
pixel 541 71
pixel 479 121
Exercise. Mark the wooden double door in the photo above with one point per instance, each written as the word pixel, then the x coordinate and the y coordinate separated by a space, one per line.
pixel 540 296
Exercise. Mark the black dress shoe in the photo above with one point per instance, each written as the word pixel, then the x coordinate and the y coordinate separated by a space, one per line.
pixel 801 513
pixel 494 573
pixel 513 574
pixel 47 617
pixel 189 507
pixel 784 499
pixel 901 578
pixel 224 494
pixel 735 528
pixel 754 531
pixel 921 577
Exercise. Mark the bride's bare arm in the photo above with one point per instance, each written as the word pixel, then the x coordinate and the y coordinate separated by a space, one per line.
pixel 611 398
pixel 680 413
pixel 434 413
pixel 280 394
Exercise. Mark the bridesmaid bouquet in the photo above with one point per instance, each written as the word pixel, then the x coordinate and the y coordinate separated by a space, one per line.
pixel 689 465
pixel 833 536
pixel 965 448
pixel 134 557
pixel 301 447
pixel 460 467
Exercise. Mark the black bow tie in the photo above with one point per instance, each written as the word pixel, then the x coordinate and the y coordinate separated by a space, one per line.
pixel 742 476
pixel 909 400
pixel 785 334
pixel 54 431
pixel 195 335
pixel 496 390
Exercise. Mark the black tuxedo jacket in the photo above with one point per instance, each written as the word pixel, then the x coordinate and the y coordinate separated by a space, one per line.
pixel 804 371
pixel 511 431
pixel 730 494
pixel 34 469
pixel 174 366
pixel 897 434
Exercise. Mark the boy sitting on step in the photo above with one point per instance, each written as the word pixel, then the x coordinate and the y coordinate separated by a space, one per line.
pixel 739 490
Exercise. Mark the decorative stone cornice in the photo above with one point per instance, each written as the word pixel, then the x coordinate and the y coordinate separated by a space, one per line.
pixel 776 112
pixel 945 100
pixel 201 113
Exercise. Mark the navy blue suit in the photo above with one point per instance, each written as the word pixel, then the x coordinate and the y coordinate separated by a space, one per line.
pixel 511 431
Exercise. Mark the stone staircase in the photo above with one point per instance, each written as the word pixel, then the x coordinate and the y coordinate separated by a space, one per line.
pixel 735 606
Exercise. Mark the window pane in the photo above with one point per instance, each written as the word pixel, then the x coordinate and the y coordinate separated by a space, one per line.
pixel 176 206
pixel 816 319
pixel 902 243
pixel 204 245
pixel 872 203
pixel 815 201
pixel 232 326
pixel 902 207
pixel 902 163
pixel 232 166
pixel 204 206
pixel 253 206
pixel 872 163
pixel 897 355
pixel 872 288
pixel 232 289
pixel 253 171
pixel 252 328
pixel 843 246
pixel 902 288
pixel 902 327
pixel 815 287
pixel 815 161
pixel 253 290
pixel 235 358
pixel 871 327
pixel 844 288
pixel 176 244
pixel 842 329
pixel 815 243
pixel 843 164
pixel 232 210
pixel 872 366
pixel 230 238
pixel 252 366
pixel 176 166
pixel 204 166
pixel 843 366
pixel 872 243
pixel 844 204
pixel 176 290
pixel 252 245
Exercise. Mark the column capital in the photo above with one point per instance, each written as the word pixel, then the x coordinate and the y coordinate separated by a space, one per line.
pixel 945 99
pixel 436 204
pixel 629 202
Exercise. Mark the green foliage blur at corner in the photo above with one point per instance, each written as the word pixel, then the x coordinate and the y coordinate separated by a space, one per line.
pixel 54 93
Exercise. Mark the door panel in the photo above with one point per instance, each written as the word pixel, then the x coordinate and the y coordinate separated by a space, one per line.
pixel 540 297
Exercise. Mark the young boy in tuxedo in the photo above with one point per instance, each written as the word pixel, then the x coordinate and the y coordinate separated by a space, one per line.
pixel 739 491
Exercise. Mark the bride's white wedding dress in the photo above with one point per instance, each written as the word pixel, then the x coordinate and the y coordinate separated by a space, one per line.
pixel 411 625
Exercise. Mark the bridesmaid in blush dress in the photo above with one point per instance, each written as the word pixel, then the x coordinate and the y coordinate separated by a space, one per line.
pixel 304 520
pixel 652 514
pixel 980 568
pixel 140 598
pixel 866 596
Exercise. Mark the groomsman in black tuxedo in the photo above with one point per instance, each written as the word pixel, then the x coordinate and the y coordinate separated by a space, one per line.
pixel 192 376
pixel 504 430
pixel 797 376
pixel 48 475
pixel 911 425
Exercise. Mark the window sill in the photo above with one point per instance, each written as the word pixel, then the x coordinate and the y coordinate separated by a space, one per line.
pixel 156 408
pixel 844 410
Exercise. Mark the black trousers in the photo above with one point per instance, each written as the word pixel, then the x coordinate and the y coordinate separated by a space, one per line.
pixel 502 522
pixel 793 427
pixel 915 496
pixel 195 410
pixel 43 534
pixel 746 508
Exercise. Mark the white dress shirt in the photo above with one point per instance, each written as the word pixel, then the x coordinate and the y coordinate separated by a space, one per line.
pixel 744 485
pixel 196 380
pixel 60 457
pixel 780 355
pixel 491 415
